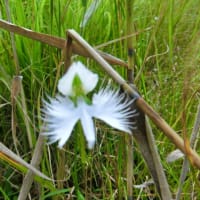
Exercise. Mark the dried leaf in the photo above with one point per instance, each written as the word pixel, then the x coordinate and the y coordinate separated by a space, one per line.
pixel 14 158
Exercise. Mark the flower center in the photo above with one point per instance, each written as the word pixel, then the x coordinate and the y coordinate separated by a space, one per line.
pixel 78 91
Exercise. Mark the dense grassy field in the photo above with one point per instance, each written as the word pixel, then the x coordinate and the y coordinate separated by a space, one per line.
pixel 167 74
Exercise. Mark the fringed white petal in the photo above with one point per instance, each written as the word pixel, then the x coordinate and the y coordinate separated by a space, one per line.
pixel 88 79
pixel 87 124
pixel 60 117
pixel 111 107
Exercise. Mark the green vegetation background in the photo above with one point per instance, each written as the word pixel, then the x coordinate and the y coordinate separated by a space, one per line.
pixel 167 55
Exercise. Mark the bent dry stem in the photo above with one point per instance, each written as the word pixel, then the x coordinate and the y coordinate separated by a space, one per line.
pixel 56 42
pixel 140 102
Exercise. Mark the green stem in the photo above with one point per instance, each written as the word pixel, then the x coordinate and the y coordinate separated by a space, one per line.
pixel 81 143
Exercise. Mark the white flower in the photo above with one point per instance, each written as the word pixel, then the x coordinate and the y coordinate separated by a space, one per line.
pixel 61 113
pixel 89 79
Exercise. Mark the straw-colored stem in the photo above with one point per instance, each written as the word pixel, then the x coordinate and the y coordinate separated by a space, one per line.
pixel 56 42
pixel 161 180
pixel 15 90
pixel 36 159
pixel 185 166
pixel 15 83
pixel 9 156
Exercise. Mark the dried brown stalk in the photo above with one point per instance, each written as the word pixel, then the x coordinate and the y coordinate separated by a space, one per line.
pixel 16 83
pixel 15 90
pixel 56 42
pixel 185 166
pixel 36 159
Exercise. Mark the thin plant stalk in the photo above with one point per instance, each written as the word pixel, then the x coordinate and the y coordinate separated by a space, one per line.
pixel 60 168
pixel 162 184
pixel 26 118
pixel 129 166
pixel 15 90
pixel 185 166
pixel 130 48
pixel 130 75
pixel 16 83
pixel 36 159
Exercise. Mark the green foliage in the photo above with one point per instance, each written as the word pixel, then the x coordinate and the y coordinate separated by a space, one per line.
pixel 167 51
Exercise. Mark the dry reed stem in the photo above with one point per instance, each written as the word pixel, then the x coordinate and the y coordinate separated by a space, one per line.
pixel 185 166
pixel 16 83
pixel 9 156
pixel 36 159
pixel 162 184
pixel 56 42
pixel 15 91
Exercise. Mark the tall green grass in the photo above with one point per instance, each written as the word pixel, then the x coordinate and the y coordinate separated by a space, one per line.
pixel 165 53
